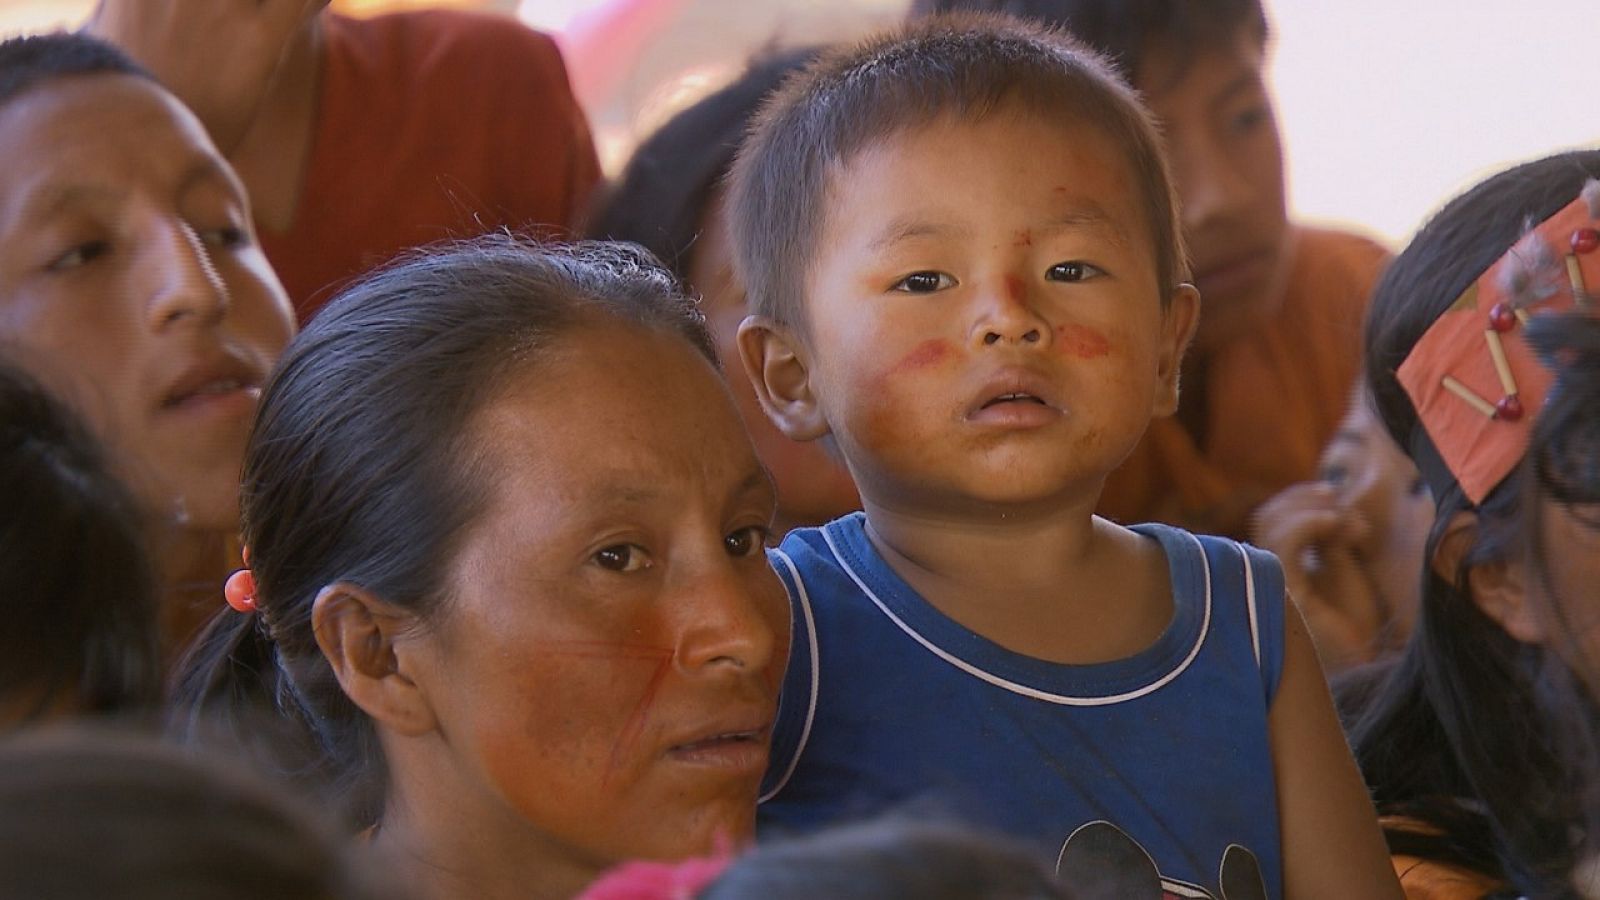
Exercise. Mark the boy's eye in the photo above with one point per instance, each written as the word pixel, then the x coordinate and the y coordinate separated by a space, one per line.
pixel 1334 475
pixel 622 558
pixel 226 237
pixel 1249 119
pixel 924 282
pixel 746 541
pixel 1071 271
pixel 80 255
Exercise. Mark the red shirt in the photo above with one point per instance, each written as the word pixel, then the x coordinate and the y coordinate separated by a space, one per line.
pixel 431 125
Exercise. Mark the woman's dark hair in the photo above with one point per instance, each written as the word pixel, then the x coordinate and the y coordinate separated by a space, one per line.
pixel 661 198
pixel 890 859
pixel 359 468
pixel 1463 733
pixel 117 816
pixel 77 589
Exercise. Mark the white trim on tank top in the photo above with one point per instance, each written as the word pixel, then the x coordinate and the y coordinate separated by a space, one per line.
pixel 1022 689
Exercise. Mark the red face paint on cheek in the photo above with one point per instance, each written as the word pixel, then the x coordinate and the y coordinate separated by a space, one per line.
pixel 928 353
pixel 1015 288
pixel 1081 342
pixel 656 660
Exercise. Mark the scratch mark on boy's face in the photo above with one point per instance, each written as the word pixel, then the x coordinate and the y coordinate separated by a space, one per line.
pixel 1015 288
pixel 1081 341
pixel 633 728
pixel 1023 238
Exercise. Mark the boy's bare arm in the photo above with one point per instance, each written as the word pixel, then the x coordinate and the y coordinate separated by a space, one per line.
pixel 218 56
pixel 1332 847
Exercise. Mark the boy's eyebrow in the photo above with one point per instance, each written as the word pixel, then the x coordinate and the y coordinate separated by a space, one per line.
pixel 905 228
pixel 1247 80
pixel 1086 215
pixel 40 201
pixel 1348 435
pixel 1082 215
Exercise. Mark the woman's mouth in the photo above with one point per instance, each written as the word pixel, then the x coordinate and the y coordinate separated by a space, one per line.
pixel 742 751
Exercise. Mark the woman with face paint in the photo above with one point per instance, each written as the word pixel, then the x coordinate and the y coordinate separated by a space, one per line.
pixel 505 538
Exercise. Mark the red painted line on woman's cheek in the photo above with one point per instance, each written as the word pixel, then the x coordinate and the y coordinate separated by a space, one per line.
pixel 620 651
pixel 1081 341
pixel 637 719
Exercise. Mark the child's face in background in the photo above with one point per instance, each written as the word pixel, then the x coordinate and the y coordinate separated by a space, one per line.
pixel 1373 479
pixel 131 282
pixel 985 323
pixel 813 487
pixel 605 670
pixel 1227 164
pixel 1567 578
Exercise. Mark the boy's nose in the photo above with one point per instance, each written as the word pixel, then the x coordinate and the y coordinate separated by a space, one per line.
pixel 180 279
pixel 1008 316
pixel 1212 186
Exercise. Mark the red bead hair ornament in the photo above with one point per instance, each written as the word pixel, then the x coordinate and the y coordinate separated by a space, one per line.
pixel 1473 379
pixel 240 589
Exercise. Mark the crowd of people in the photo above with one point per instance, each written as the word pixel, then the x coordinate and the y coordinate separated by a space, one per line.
pixel 936 466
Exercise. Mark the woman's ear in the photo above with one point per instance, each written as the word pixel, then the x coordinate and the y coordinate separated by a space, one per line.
pixel 776 364
pixel 1499 589
pixel 1178 323
pixel 363 638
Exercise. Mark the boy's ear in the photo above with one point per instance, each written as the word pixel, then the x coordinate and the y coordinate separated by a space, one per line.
pixel 776 364
pixel 362 637
pixel 1499 589
pixel 1178 324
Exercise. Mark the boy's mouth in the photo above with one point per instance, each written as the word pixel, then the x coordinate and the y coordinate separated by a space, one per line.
pixel 1014 397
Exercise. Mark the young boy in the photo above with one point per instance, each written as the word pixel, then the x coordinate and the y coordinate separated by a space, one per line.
pixel 1283 301
pixel 131 284
pixel 361 137
pixel 962 249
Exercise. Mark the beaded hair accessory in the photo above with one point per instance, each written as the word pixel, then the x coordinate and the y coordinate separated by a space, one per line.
pixel 1473 379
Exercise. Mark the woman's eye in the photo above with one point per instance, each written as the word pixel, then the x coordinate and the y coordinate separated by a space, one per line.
pixel 621 558
pixel 746 541
pixel 1071 271
pixel 1334 475
pixel 924 282
pixel 80 255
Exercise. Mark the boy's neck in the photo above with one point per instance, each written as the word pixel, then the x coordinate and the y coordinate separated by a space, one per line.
pixel 192 566
pixel 1013 576
pixel 275 152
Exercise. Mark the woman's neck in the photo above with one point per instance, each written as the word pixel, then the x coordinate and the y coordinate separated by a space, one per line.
pixel 444 845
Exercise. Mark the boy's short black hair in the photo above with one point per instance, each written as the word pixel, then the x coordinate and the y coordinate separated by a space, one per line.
pixel 662 195
pixel 26 62
pixel 961 66
pixel 1127 30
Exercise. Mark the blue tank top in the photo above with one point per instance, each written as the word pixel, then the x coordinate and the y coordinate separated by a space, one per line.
pixel 1156 762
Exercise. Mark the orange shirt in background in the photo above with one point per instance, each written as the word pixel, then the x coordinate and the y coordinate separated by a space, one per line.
pixel 431 125
pixel 1275 397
